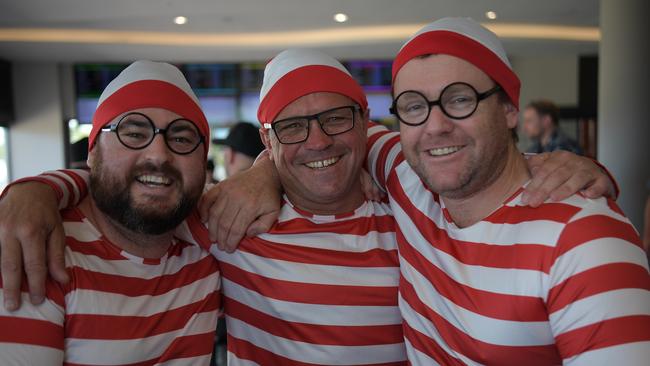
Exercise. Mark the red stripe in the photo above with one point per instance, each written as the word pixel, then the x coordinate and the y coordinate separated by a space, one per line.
pixel 455 44
pixel 306 80
pixel 333 335
pixel 98 248
pixel 132 286
pixel 517 256
pixel 551 211
pixel 608 277
pixel 199 231
pixel 293 253
pixel 595 227
pixel 248 351
pixel 607 333
pixel 117 327
pixel 358 226
pixel 472 348
pixel 382 156
pixel 309 293
pixel 79 181
pixel 489 304
pixel 31 331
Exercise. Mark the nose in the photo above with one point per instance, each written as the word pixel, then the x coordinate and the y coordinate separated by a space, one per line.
pixel 438 123
pixel 317 139
pixel 158 151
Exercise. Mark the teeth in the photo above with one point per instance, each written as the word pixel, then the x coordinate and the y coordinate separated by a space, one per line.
pixel 153 179
pixel 444 150
pixel 322 163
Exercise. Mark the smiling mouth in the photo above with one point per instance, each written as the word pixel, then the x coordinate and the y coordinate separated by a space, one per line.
pixel 321 164
pixel 154 180
pixel 442 151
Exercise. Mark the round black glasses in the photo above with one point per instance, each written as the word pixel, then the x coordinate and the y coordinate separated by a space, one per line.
pixel 136 131
pixel 457 101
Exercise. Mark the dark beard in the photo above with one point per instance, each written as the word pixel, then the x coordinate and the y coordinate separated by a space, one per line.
pixel 113 198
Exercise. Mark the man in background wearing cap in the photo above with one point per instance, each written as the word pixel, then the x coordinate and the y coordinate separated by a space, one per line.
pixel 486 279
pixel 321 286
pixel 136 294
pixel 241 147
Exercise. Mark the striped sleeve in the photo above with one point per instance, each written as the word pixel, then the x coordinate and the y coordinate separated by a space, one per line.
pixel 384 152
pixel 70 185
pixel 599 293
pixel 33 335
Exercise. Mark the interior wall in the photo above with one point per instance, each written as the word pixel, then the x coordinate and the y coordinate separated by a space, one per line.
pixel 36 136
pixel 553 77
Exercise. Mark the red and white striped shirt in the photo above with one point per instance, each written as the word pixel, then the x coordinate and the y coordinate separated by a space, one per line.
pixel 117 309
pixel 314 290
pixel 563 283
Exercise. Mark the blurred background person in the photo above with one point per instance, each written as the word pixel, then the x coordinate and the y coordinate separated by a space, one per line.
pixel 241 147
pixel 541 126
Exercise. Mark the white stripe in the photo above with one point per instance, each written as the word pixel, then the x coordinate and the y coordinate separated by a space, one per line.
pixel 518 282
pixel 337 242
pixel 629 354
pixel 23 354
pixel 316 353
pixel 292 59
pixel 595 253
pixel 313 313
pixel 480 327
pixel 82 301
pixel 601 307
pixel 233 360
pixel 48 310
pixel 126 267
pixel 417 358
pixel 102 351
pixel 425 326
pixel 310 273
pixel 589 207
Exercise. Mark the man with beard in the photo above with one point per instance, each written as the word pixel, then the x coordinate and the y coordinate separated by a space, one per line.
pixel 136 294
pixel 484 278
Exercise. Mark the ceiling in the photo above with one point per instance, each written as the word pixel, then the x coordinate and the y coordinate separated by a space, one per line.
pixel 218 30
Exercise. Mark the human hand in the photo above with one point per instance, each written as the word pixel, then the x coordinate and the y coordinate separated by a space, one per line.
pixel 559 174
pixel 370 189
pixel 31 232
pixel 248 203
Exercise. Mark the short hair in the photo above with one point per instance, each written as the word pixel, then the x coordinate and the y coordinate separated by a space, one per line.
pixel 545 107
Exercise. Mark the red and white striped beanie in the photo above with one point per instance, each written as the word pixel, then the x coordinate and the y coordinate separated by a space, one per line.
pixel 295 73
pixel 148 84
pixel 466 39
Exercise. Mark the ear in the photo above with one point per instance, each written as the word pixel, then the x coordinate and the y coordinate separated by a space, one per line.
pixel 512 115
pixel 266 140
pixel 90 161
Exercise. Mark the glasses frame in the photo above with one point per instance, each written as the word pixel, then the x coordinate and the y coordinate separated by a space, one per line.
pixel 271 126
pixel 156 131
pixel 433 103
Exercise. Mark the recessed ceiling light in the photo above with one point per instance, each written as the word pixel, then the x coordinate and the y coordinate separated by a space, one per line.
pixel 341 18
pixel 491 15
pixel 180 20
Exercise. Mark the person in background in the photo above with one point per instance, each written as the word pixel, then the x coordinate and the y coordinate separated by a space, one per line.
pixel 541 125
pixel 135 294
pixel 241 147
pixel 79 154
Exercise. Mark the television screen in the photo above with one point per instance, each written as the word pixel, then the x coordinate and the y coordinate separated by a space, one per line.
pixel 219 111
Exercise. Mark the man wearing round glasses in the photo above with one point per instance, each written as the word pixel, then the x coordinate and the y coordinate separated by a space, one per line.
pixel 485 279
pixel 136 293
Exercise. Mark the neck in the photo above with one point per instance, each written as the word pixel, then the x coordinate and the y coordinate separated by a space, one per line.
pixel 138 244
pixel 350 202
pixel 472 208
pixel 546 137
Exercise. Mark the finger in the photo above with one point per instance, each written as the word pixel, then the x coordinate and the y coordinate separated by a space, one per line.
pixel 598 188
pixel 236 233
pixel 33 249
pixel 214 217
pixel 56 255
pixel 263 224
pixel 575 183
pixel 552 182
pixel 207 200
pixel 11 266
